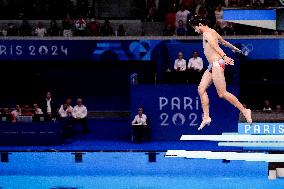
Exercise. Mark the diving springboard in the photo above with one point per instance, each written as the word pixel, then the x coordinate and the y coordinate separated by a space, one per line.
pixel 234 156
pixel 234 138
pixel 253 144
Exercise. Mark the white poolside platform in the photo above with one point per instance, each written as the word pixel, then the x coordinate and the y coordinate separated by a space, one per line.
pixel 226 155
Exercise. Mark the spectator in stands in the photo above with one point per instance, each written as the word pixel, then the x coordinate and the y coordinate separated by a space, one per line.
pixel 12 30
pixel 25 29
pixel 79 114
pixel 121 31
pixel 5 111
pixel 181 29
pixel 80 27
pixel 244 3
pixel 37 110
pixel 278 108
pixel 220 23
pixel 26 111
pixel 233 3
pixel 195 63
pixel 94 28
pixel 49 107
pixel 67 25
pixel 6 115
pixel 40 31
pixel 188 4
pixel 16 113
pixel 140 126
pixel 183 15
pixel 169 30
pixel 53 29
pixel 106 29
pixel 180 63
pixel 152 10
pixel 271 3
pixel 199 4
pixel 267 107
pixel 257 3
pixel 171 17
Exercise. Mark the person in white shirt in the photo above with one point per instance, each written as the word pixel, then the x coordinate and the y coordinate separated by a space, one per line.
pixel 40 31
pixel 65 110
pixel 16 113
pixel 140 127
pixel 66 119
pixel 37 110
pixel 140 118
pixel 183 15
pixel 180 63
pixel 79 114
pixel 195 63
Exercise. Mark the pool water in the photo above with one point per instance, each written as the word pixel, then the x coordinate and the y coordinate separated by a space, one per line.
pixel 126 170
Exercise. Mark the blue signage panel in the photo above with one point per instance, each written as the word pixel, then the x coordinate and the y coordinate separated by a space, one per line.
pixel 175 110
pixel 97 50
pixel 261 128
pixel 125 50
pixel 251 14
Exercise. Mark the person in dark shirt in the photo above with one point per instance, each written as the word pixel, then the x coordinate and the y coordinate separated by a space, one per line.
pixel 106 29
pixel 181 29
pixel 121 30
pixel 53 30
pixel 12 30
pixel 25 29
pixel 67 25
pixel 169 30
pixel 49 107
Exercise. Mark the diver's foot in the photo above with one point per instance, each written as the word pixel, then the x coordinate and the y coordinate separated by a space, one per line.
pixel 205 121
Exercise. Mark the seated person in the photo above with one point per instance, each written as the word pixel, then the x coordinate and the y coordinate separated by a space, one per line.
pixel 140 127
pixel 16 113
pixel 37 110
pixel 267 108
pixel 65 117
pixel 181 29
pixel 65 111
pixel 278 108
pixel 26 111
pixel 180 63
pixel 6 115
pixel 38 113
pixel 79 114
pixel 195 63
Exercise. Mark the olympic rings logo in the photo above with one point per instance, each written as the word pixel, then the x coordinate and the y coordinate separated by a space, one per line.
pixel 246 49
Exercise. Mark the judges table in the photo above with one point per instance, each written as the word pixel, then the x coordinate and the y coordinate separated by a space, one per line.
pixel 35 133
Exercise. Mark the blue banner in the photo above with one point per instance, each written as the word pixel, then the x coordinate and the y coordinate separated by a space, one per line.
pixel 127 50
pixel 251 14
pixel 261 128
pixel 98 50
pixel 175 110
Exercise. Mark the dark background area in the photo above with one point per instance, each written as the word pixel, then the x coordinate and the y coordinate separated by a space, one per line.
pixel 261 80
pixel 103 86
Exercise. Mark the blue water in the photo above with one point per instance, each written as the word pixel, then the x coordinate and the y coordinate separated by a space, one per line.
pixel 138 182
pixel 127 170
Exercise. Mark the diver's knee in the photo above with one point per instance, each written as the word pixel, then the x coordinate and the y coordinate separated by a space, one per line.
pixel 222 94
pixel 200 90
